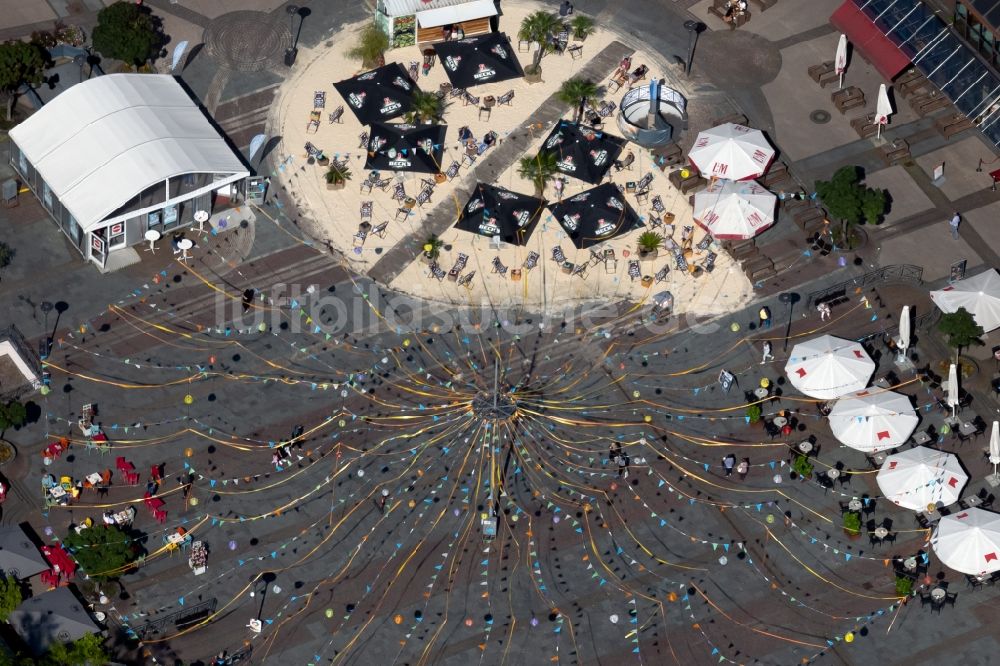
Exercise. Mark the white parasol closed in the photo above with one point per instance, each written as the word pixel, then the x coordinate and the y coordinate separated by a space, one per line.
pixel 969 541
pixel 840 61
pixel 995 447
pixel 904 331
pixel 953 388
pixel 731 210
pixel 828 367
pixel 731 151
pixel 873 421
pixel 883 109
pixel 979 294
pixel 921 476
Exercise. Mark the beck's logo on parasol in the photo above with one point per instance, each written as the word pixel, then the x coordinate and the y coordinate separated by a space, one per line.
pixel 484 72
pixel 400 82
pixel 376 144
pixel 367 76
pixel 489 227
pixel 389 105
pixel 474 205
pixel 500 51
pixel 616 204
pixel 400 163
pixel 599 157
pixel 604 227
pixel 554 140
pixel 357 100
pixel 507 196
pixel 566 164
pixel 571 222
pixel 452 62
pixel 522 217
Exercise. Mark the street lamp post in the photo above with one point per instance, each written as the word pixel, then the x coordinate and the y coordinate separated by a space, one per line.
pixel 292 51
pixel 789 298
pixel 693 28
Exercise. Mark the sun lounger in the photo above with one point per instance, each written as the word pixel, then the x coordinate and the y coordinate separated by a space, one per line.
pixel 557 255
pixel 633 269
pixel 319 99
pixel 531 261
pixel 498 267
pixel 336 116
pixel 466 279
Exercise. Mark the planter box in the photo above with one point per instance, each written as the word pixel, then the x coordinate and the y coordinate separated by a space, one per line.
pixel 535 77
pixel 648 256
pixel 647 281
pixel 336 186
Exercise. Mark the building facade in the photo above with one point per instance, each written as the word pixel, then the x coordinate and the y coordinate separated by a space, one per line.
pixel 120 155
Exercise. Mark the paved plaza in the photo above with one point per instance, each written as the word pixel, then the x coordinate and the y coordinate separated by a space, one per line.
pixel 413 420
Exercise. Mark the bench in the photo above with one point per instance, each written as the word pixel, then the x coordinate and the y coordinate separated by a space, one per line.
pixel 952 124
pixel 667 155
pixel 764 4
pixel 776 173
pixel 817 72
pixel 838 297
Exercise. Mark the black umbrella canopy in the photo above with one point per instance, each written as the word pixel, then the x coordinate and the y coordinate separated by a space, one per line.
pixel 494 211
pixel 378 95
pixel 582 152
pixel 596 215
pixel 402 147
pixel 477 60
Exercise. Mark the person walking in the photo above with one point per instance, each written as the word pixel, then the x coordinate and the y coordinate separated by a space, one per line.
pixel 765 317
pixel 728 463
pixel 955 221
pixel 743 468
pixel 383 498
pixel 824 311
pixel 767 353
pixel 623 466
pixel 248 295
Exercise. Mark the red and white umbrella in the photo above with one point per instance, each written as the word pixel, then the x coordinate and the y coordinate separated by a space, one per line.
pixel 921 476
pixel 969 541
pixel 840 61
pixel 731 210
pixel 979 294
pixel 827 367
pixel 731 151
pixel 872 421
pixel 883 109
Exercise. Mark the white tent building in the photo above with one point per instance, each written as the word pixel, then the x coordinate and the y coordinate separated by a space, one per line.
pixel 118 155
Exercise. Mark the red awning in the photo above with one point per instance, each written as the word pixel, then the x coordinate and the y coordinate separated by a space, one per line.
pixel 869 41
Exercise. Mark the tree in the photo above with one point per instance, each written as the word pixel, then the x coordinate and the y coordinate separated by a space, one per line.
pixel 371 46
pixel 540 27
pixel 10 596
pixel 578 92
pixel 539 170
pixel 848 200
pixel 962 330
pixel 103 550
pixel 85 651
pixel 128 32
pixel 12 415
pixel 426 107
pixel 20 63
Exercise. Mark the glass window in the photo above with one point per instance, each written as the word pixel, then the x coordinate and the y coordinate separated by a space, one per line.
pixel 74 230
pixel 46 196
pixel 116 234
pixel 153 220
pixel 170 217
pixel 22 161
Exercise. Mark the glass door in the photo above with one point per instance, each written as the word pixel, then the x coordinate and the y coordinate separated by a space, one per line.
pixel 170 218
pixel 154 220
pixel 116 235
pixel 98 248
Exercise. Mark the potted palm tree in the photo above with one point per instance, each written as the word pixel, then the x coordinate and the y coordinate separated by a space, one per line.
pixel 582 27
pixel 371 46
pixel 427 108
pixel 541 28
pixel 337 176
pixel 852 524
pixel 539 170
pixel 431 249
pixel 649 243
pixel 578 92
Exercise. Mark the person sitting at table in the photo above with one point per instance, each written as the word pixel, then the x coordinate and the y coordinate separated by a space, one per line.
pixel 152 486
pixel 464 133
pixel 109 517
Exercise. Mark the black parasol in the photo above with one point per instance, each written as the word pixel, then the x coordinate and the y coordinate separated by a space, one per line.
pixel 402 147
pixel 596 215
pixel 582 152
pixel 477 60
pixel 378 95
pixel 494 211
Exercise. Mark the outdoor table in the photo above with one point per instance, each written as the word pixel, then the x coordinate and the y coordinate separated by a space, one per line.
pixel 567 267
pixel 806 446
pixel 364 227
pixel 882 382
pixel 152 235
pixel 854 504
pixel 94 478
pixel 780 421
pixel 185 244
pixel 446 87
pixel 967 428
pixel 931 516
pixel 922 437
pixel 832 473
pixel 974 500
pixel 881 532
pixel 879 458
pixel 489 101
pixel 57 492
pixel 938 594
pixel 910 564
pixel 176 538
pixel 409 203
pixel 123 517
pixel 761 393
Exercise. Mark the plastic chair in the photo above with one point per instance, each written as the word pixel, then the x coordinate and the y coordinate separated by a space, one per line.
pixel 160 515
pixel 66 482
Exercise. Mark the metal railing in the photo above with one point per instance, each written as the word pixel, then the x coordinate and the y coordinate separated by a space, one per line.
pixel 205 608
pixel 886 274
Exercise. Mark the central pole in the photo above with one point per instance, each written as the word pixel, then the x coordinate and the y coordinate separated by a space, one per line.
pixel 496 385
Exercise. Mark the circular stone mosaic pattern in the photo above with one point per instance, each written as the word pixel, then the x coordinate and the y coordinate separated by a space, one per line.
pixel 247 41
pixel 820 117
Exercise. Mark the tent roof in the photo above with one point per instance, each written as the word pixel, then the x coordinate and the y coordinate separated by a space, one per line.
pixel 18 556
pixel 102 142
pixel 432 18
pixel 53 616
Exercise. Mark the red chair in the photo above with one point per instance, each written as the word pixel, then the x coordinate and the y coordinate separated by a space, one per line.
pixel 147 499
pixel 120 463
pixel 132 478
pixel 160 515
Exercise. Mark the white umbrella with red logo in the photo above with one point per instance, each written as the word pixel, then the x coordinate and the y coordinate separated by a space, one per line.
pixel 731 151
pixel 840 62
pixel 883 109
pixel 731 210
pixel 828 367
pixel 873 420
pixel 921 476
pixel 969 541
